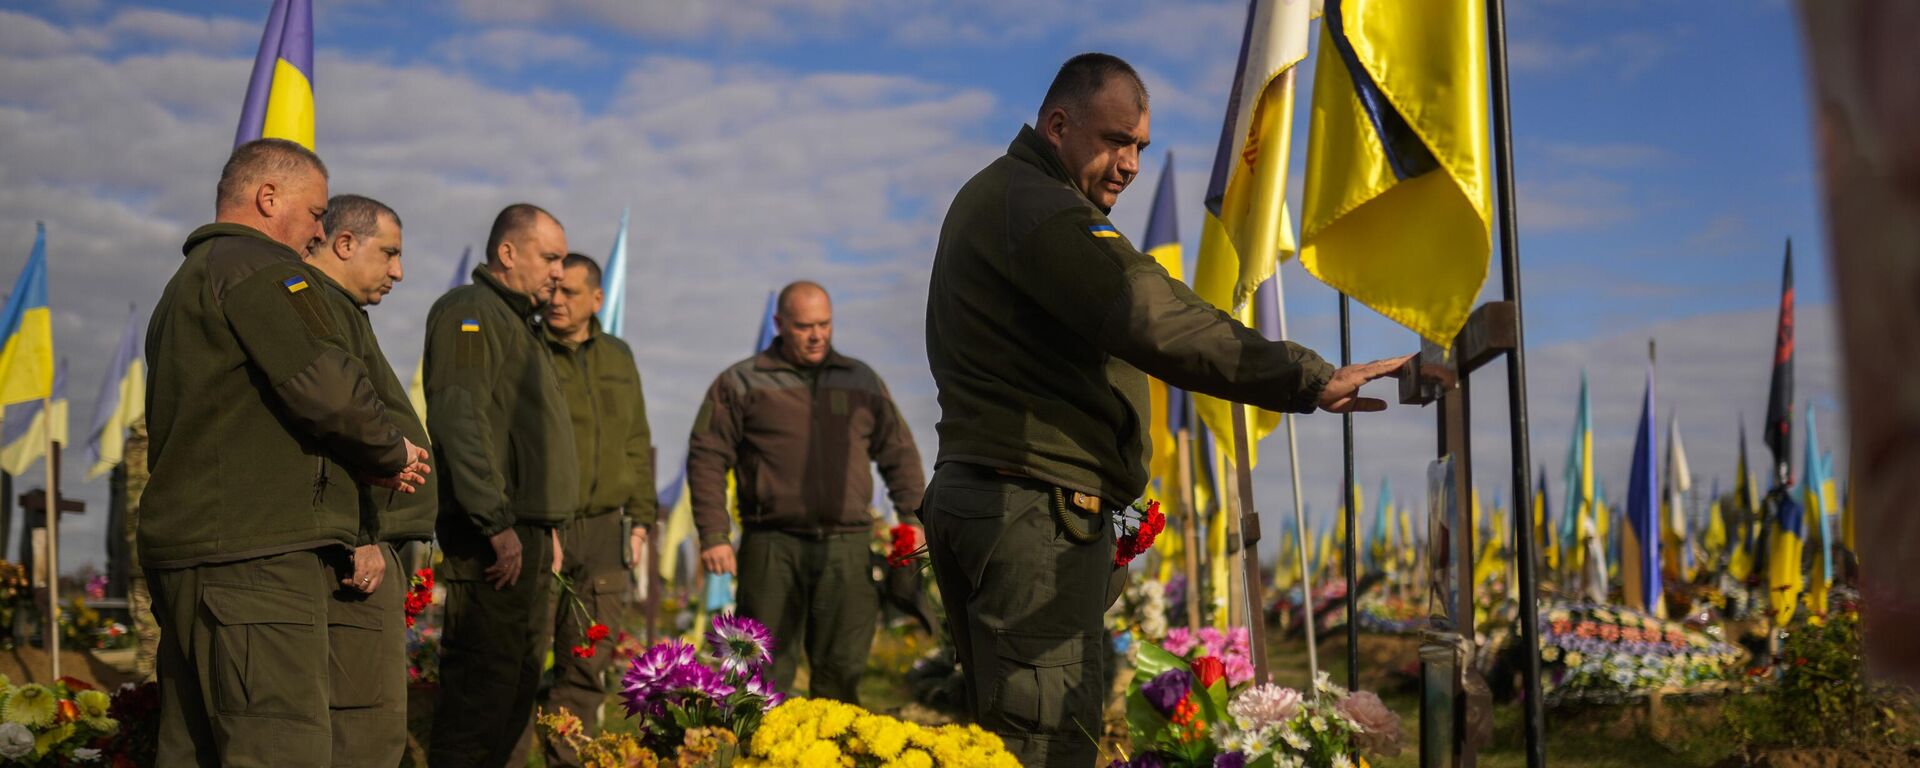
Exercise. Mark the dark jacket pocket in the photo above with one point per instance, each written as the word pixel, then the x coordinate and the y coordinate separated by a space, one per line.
pixel 263 650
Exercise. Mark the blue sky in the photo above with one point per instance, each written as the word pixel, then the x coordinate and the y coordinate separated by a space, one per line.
pixel 1662 151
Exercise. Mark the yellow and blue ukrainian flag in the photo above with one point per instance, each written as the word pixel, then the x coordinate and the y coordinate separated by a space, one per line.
pixel 1817 489
pixel 1576 522
pixel 1641 535
pixel 279 102
pixel 1162 242
pixel 28 427
pixel 1785 581
pixel 122 401
pixel 1247 229
pixel 26 325
pixel 1399 194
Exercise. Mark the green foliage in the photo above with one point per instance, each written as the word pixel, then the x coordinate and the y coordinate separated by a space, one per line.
pixel 1821 697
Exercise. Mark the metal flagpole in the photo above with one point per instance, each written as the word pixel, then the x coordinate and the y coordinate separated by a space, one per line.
pixel 1346 491
pixel 53 537
pixel 1299 506
pixel 1533 710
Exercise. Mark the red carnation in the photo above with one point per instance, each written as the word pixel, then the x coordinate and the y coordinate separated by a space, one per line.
pixel 1209 670
pixel 583 651
pixel 597 633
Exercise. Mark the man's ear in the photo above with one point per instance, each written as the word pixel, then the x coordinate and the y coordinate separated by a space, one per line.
pixel 266 199
pixel 505 254
pixel 343 245
pixel 1053 125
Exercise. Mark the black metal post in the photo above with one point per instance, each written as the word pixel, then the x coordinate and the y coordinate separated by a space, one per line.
pixel 1346 490
pixel 1534 713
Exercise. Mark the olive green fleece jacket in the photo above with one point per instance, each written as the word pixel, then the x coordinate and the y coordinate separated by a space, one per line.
pixel 257 413
pixel 502 438
pixel 611 438
pixel 1043 323
pixel 385 514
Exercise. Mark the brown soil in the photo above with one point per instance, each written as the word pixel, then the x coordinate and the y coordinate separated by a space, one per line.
pixel 27 664
pixel 1877 756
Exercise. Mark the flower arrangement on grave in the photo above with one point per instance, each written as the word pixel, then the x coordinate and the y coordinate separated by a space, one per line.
pixel 1182 715
pixel 820 732
pixel 60 724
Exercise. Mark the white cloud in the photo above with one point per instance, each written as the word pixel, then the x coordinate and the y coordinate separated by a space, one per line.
pixel 512 48
pixel 1572 204
pixel 207 33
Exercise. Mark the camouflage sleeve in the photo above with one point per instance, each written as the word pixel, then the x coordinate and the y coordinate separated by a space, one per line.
pixel 279 317
pixel 894 452
pixel 711 453
pixel 461 360
pixel 1077 265
pixel 643 505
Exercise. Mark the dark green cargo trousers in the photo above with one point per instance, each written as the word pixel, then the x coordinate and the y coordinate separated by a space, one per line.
pixel 492 651
pixel 1024 605
pixel 243 661
pixel 817 594
pixel 591 559
pixel 367 668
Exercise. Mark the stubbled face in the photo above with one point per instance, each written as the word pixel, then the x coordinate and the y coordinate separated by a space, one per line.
pixel 1101 144
pixel 805 323
pixel 533 259
pixel 575 301
pixel 293 210
pixel 371 263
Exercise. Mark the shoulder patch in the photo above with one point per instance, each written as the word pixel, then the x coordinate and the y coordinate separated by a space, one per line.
pixel 295 284
pixel 470 325
pixel 1103 230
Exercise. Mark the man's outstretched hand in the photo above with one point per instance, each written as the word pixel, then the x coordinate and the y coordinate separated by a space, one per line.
pixel 412 477
pixel 1342 393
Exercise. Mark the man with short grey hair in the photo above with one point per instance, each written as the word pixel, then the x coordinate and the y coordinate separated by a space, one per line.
pixel 366 620
pixel 261 426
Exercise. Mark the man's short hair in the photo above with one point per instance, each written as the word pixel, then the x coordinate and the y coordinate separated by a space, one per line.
pixel 358 214
pixel 1082 77
pixel 512 220
pixel 780 303
pixel 585 262
pixel 259 161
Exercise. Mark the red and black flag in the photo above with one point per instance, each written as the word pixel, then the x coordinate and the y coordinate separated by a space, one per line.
pixel 1779 425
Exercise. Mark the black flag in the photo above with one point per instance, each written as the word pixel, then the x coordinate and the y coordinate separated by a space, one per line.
pixel 1779 430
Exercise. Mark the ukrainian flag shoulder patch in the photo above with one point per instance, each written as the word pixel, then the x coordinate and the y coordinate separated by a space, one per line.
pixel 1103 230
pixel 295 284
pixel 469 326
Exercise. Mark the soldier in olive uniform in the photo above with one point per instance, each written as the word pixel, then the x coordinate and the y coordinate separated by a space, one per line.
pixel 800 424
pixel 366 621
pixel 601 384
pixel 509 478
pixel 1043 323
pixel 262 424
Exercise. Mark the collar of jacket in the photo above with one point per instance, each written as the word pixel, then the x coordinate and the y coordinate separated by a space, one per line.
pixel 521 304
pixel 1028 147
pixel 593 334
pixel 229 229
pixel 770 359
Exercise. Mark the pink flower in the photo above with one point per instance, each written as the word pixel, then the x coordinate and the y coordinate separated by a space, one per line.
pixel 1212 642
pixel 1239 670
pixel 1265 704
pixel 1378 727
pixel 1237 641
pixel 1179 641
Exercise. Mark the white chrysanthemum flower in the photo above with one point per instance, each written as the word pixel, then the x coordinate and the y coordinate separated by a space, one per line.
pixel 1341 761
pixel 16 741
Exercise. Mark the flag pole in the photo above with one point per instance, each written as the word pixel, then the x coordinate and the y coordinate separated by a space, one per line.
pixel 1346 491
pixel 1299 505
pixel 53 537
pixel 1248 529
pixel 1189 530
pixel 1534 713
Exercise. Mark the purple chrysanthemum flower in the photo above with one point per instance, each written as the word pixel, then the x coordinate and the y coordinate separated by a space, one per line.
pixel 695 679
pixel 1166 690
pixel 759 686
pixel 646 679
pixel 1234 759
pixel 743 645
pixel 1147 760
